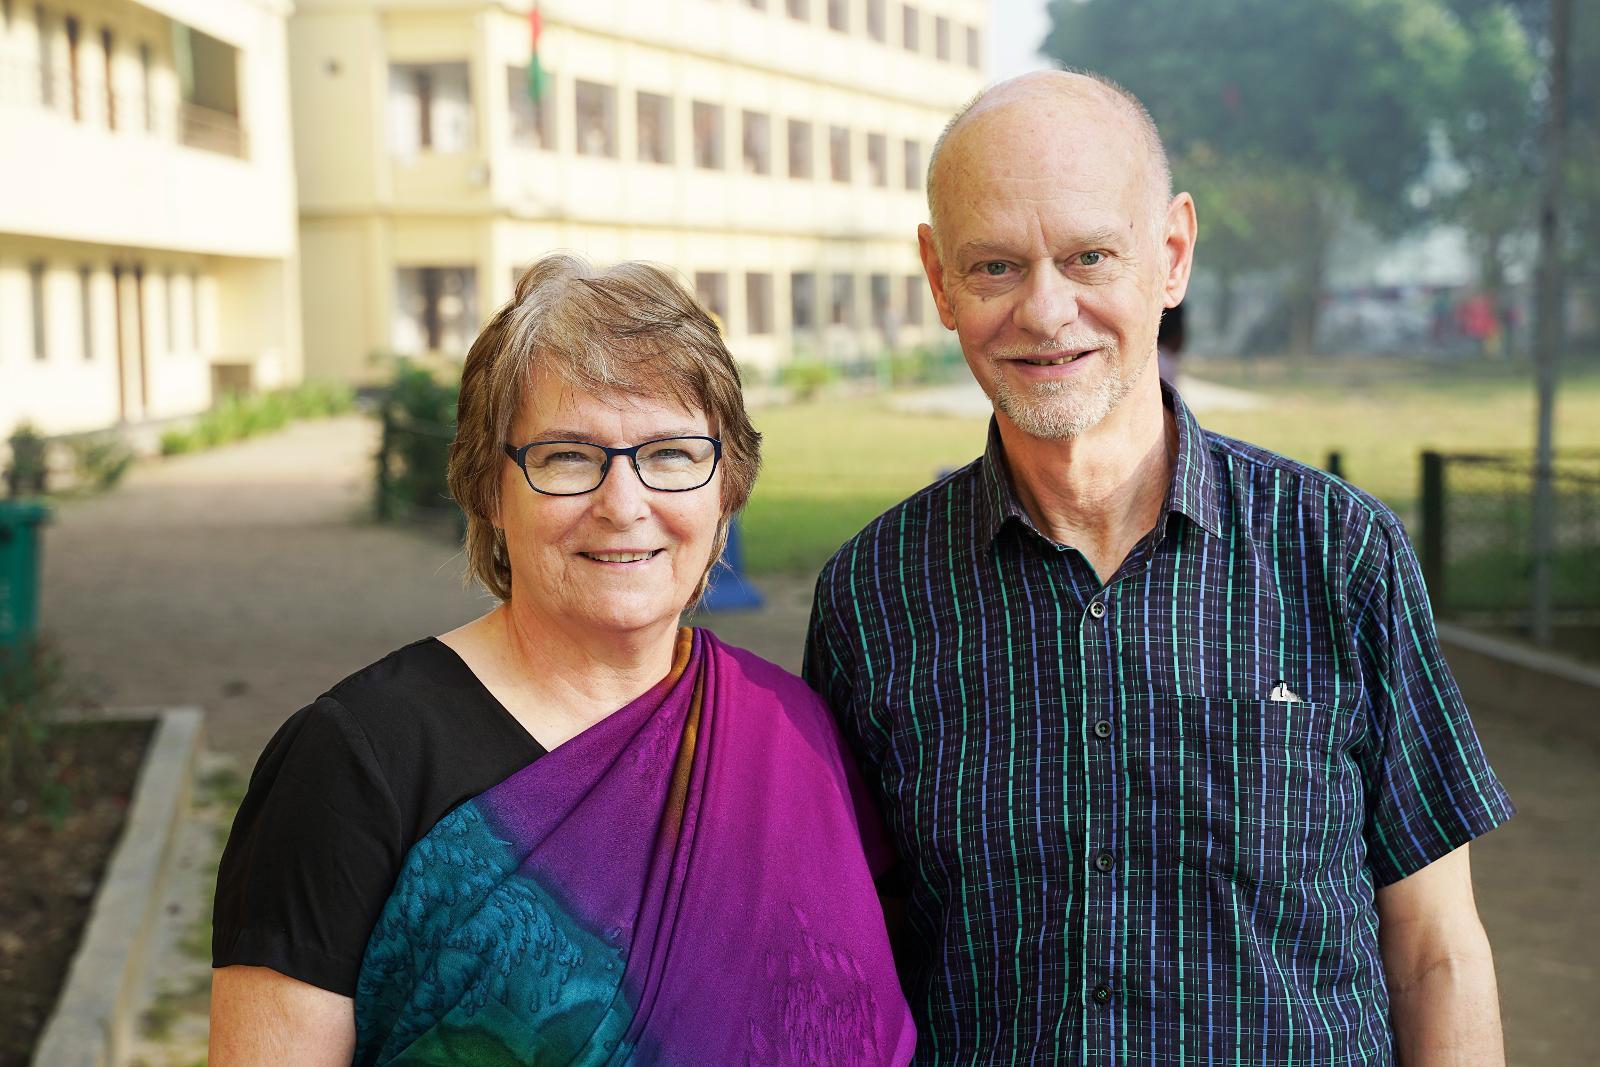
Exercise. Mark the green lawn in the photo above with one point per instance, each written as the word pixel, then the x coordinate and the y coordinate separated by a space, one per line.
pixel 833 465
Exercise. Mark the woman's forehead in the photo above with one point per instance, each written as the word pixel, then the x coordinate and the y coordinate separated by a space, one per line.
pixel 553 403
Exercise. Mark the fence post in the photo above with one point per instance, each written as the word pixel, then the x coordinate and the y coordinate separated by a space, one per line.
pixel 381 505
pixel 1433 529
pixel 1336 464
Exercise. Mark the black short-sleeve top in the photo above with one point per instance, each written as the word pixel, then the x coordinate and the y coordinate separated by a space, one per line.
pixel 339 796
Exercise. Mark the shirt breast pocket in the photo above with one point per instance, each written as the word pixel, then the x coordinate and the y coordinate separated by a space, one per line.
pixel 1268 792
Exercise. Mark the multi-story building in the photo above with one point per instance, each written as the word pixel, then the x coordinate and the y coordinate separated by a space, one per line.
pixel 772 151
pixel 147 209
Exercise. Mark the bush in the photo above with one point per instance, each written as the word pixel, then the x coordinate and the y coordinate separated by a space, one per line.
pixel 419 417
pixel 100 461
pixel 30 683
pixel 238 416
pixel 29 470
pixel 806 378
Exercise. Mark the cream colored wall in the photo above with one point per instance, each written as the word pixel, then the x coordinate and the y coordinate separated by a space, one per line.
pixel 78 192
pixel 495 206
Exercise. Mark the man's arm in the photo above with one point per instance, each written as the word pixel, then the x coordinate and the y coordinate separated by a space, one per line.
pixel 1442 995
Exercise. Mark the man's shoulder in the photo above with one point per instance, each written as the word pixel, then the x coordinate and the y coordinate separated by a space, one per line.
pixel 1245 467
pixel 882 544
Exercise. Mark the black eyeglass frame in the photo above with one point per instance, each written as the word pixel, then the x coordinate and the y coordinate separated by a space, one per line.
pixel 519 455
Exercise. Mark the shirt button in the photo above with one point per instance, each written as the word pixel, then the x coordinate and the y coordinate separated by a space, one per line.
pixel 1102 995
pixel 1097 608
pixel 1104 862
pixel 1102 729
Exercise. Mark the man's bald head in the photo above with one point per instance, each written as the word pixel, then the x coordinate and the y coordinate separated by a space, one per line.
pixel 1055 92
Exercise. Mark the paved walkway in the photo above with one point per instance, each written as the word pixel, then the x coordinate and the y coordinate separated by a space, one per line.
pixel 247 580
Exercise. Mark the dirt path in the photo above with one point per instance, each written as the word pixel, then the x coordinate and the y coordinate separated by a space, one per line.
pixel 243 581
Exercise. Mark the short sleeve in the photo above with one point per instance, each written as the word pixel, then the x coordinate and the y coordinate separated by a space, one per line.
pixel 1429 788
pixel 313 854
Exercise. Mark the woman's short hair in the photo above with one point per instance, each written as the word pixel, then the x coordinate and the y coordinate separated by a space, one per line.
pixel 628 330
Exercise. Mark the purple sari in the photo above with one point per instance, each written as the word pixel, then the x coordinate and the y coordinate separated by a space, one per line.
pixel 683 884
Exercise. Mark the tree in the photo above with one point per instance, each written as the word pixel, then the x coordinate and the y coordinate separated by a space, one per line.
pixel 1332 103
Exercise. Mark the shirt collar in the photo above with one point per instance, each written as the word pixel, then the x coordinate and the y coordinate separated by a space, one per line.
pixel 1193 492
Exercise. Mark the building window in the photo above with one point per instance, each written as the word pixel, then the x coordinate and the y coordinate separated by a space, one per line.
pixel 941 38
pixel 758 303
pixel 436 310
pixel 596 111
pixel 878 284
pixel 803 300
pixel 757 143
pixel 877 20
pixel 909 25
pixel 533 122
pixel 839 153
pixel 74 74
pixel 47 56
pixel 707 135
pixel 5 13
pixel 654 113
pixel 756 5
pixel 711 289
pixel 916 285
pixel 839 15
pixel 974 50
pixel 799 149
pixel 41 346
pixel 430 109
pixel 208 77
pixel 108 50
pixel 147 89
pixel 913 164
pixel 86 309
pixel 799 9
pixel 878 160
pixel 842 300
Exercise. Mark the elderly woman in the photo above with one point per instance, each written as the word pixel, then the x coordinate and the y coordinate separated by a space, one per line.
pixel 568 832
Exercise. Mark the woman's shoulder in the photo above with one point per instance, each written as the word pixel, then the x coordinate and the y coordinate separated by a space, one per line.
pixel 755 669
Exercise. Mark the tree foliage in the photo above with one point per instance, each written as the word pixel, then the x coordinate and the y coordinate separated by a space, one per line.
pixel 1287 118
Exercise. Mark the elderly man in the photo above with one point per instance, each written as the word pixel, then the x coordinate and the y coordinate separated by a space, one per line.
pixel 1159 719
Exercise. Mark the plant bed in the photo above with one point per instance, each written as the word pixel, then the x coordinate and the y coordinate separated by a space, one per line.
pixel 53 850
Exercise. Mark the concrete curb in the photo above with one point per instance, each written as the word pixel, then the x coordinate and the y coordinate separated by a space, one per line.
pixel 1548 691
pixel 93 1020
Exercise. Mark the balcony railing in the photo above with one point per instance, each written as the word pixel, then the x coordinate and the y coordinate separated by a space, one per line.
pixel 53 90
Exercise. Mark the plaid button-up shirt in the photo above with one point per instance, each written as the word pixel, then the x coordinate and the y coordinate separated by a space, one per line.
pixel 1143 821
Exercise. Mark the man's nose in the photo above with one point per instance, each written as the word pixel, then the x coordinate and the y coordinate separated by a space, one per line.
pixel 622 498
pixel 1048 303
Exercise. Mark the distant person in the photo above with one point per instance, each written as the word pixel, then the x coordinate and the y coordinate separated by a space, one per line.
pixel 1159 721
pixel 1169 344
pixel 569 831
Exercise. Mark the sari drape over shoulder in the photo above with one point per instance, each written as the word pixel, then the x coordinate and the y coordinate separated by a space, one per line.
pixel 682 885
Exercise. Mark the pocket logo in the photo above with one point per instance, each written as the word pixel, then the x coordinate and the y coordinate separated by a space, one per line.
pixel 1282 694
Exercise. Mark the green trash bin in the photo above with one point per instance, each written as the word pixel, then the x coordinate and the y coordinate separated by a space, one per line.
pixel 19 570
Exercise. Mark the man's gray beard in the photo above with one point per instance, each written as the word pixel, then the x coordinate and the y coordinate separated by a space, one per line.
pixel 1062 410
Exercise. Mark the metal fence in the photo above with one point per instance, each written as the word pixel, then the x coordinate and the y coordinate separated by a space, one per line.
pixel 1477 536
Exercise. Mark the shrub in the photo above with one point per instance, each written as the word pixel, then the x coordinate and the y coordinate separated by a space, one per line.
pixel 29 469
pixel 806 378
pixel 419 415
pixel 100 461
pixel 30 683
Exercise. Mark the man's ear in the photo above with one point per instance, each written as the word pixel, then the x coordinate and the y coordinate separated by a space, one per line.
pixel 1181 232
pixel 933 267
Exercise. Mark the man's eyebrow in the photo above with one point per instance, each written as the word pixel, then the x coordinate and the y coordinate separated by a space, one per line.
pixel 1104 236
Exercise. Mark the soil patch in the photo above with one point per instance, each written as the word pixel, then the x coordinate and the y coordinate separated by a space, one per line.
pixel 53 853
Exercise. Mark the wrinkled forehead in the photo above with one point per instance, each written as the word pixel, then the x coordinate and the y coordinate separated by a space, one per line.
pixel 559 394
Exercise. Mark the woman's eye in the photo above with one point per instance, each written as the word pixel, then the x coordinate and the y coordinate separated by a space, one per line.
pixel 994 268
pixel 567 457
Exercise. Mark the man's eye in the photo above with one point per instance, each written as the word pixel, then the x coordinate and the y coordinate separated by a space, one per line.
pixel 1091 259
pixel 994 268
